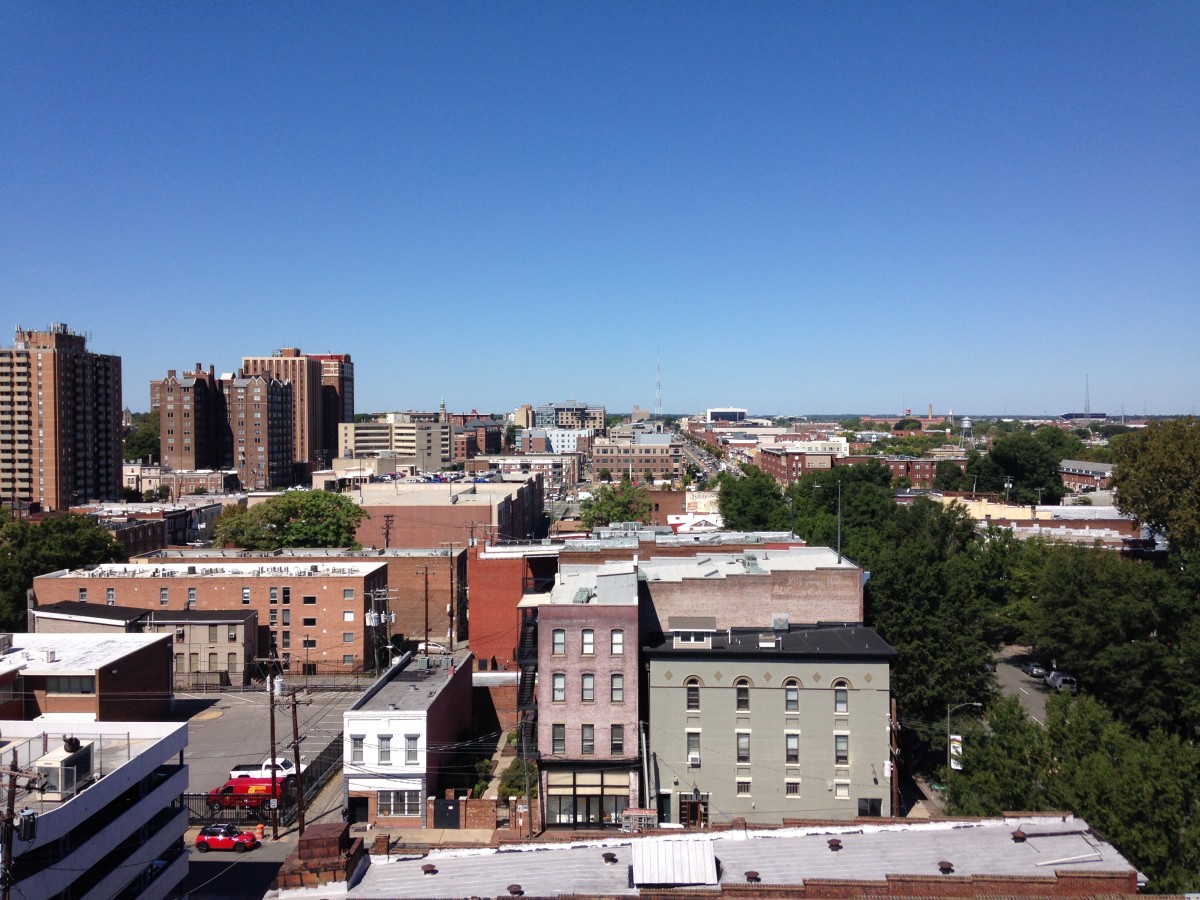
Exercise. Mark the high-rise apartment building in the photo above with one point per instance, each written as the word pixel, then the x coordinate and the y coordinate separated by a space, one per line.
pixel 193 425
pixel 337 398
pixel 305 374
pixel 60 420
pixel 260 429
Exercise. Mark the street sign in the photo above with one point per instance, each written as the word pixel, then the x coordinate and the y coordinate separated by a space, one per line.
pixel 956 749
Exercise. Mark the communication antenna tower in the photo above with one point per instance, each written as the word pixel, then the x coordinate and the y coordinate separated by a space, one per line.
pixel 658 388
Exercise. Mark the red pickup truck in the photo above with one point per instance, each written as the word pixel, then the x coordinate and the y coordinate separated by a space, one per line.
pixel 247 793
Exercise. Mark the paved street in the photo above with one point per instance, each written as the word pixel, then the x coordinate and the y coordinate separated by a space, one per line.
pixel 1015 683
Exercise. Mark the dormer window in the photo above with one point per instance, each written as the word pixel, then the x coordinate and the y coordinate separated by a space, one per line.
pixel 692 631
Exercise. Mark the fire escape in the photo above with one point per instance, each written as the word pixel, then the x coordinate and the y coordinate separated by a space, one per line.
pixel 527 659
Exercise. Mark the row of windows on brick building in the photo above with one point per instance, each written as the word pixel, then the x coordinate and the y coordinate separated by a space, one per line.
pixel 587 740
pixel 587 642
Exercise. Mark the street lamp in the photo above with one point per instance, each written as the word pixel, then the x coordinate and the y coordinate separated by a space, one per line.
pixel 949 710
pixel 820 487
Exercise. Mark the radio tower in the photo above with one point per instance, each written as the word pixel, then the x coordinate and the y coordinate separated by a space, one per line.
pixel 658 387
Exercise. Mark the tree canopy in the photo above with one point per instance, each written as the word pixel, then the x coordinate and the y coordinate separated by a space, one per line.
pixel 1157 479
pixel 292 519
pixel 1141 793
pixel 751 503
pixel 1029 463
pixel 625 502
pixel 29 549
pixel 143 442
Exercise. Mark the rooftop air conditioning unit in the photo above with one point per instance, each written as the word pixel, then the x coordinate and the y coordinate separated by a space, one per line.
pixel 693 759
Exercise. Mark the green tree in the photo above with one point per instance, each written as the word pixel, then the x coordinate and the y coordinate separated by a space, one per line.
pixel 1005 766
pixel 1027 463
pixel 1142 794
pixel 604 474
pixel 520 772
pixel 1120 626
pixel 948 476
pixel 1063 444
pixel 924 599
pixel 907 425
pixel 291 519
pixel 752 502
pixel 142 444
pixel 625 502
pixel 1157 479
pixel 30 549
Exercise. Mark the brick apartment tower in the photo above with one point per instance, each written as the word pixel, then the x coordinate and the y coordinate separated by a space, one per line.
pixel 260 430
pixel 193 425
pixel 304 373
pixel 337 399
pixel 60 420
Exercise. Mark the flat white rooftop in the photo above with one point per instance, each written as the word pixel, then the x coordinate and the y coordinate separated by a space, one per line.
pixel 74 654
pixel 222 569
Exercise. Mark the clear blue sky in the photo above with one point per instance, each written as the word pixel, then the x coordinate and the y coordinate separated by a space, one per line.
pixel 797 207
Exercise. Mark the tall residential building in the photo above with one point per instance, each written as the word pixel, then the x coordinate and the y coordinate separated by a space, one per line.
pixel 337 398
pixel 260 430
pixel 305 374
pixel 60 420
pixel 193 425
pixel 570 415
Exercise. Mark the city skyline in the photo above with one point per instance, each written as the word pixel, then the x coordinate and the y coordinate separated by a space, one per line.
pixel 781 207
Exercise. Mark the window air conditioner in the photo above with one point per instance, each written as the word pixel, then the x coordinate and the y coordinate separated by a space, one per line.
pixel 693 759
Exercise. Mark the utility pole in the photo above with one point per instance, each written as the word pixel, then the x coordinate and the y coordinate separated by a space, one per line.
pixel 299 775
pixel 10 823
pixel 269 662
pixel 9 811
pixel 895 729
pixel 453 612
pixel 274 768
pixel 424 570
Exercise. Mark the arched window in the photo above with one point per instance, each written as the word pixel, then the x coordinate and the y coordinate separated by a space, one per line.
pixel 791 695
pixel 693 693
pixel 841 696
pixel 742 689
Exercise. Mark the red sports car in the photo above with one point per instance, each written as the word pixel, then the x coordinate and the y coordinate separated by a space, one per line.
pixel 224 837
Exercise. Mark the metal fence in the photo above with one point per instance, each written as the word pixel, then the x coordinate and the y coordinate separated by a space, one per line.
pixel 327 765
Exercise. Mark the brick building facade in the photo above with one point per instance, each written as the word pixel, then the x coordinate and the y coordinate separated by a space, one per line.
pixel 316 613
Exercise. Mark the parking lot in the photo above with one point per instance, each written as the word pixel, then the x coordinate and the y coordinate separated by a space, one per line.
pixel 233 727
pixel 230 728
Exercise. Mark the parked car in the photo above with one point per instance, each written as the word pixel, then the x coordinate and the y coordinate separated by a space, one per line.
pixel 246 793
pixel 282 767
pixel 224 837
pixel 1034 669
pixel 1066 683
pixel 1061 681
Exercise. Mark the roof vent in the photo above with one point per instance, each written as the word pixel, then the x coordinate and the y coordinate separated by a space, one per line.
pixel 779 622
pixel 945 866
